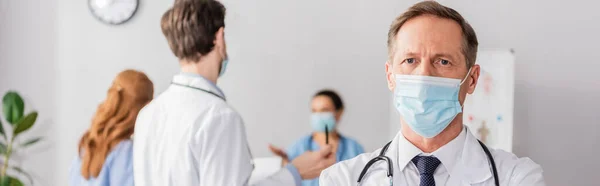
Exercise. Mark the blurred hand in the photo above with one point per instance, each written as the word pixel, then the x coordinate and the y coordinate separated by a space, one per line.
pixel 279 152
pixel 311 163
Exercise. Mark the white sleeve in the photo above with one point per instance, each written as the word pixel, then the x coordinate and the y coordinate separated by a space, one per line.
pixel 527 173
pixel 221 149
pixel 324 178
pixel 281 177
pixel 336 175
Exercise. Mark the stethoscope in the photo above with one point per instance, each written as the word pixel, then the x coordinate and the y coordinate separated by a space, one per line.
pixel 203 90
pixel 390 173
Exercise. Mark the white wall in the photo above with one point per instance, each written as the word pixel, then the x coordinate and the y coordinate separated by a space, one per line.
pixel 28 65
pixel 281 54
pixel 62 60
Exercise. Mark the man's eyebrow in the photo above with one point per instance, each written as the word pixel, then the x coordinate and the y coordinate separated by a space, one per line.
pixel 408 53
pixel 444 55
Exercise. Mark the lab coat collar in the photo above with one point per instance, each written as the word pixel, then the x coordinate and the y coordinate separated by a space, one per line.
pixel 197 82
pixel 474 164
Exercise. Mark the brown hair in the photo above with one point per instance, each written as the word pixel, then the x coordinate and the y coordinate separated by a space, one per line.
pixel 114 120
pixel 190 27
pixel 469 48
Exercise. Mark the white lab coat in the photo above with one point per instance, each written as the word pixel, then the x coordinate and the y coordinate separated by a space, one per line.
pixel 472 168
pixel 187 137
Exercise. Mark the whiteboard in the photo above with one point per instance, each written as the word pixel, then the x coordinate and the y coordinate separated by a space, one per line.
pixel 488 112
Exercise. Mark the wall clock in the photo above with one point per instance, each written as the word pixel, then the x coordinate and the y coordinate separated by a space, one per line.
pixel 113 12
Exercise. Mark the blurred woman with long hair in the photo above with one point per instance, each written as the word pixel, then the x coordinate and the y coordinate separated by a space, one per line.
pixel 105 150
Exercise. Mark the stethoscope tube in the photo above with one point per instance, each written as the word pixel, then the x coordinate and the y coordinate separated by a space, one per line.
pixel 381 156
pixel 203 90
pixel 489 155
pixel 391 169
pixel 390 173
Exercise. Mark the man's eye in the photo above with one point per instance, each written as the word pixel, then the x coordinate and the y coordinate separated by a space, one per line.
pixel 444 62
pixel 410 60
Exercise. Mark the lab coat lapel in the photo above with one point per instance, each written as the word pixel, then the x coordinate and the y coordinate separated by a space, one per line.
pixel 393 153
pixel 473 166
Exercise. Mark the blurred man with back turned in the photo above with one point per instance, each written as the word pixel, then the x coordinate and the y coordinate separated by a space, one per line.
pixel 189 135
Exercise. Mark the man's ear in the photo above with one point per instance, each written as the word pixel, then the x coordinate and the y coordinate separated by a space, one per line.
pixel 472 83
pixel 220 37
pixel 389 74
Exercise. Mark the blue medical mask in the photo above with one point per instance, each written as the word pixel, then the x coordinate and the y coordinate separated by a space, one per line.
pixel 427 104
pixel 320 120
pixel 223 66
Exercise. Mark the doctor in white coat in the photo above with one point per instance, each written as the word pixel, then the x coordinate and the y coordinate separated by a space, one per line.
pixel 431 68
pixel 189 135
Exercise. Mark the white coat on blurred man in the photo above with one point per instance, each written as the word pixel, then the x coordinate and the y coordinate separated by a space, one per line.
pixel 189 135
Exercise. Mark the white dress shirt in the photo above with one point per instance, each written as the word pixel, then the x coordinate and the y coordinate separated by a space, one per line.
pixel 447 154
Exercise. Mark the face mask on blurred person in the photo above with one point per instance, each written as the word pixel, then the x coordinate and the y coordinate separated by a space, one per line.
pixel 320 120
pixel 224 63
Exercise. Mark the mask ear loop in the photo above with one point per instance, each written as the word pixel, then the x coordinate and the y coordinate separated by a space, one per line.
pixel 462 106
pixel 465 79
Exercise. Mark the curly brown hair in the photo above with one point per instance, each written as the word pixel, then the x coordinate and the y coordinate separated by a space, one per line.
pixel 114 120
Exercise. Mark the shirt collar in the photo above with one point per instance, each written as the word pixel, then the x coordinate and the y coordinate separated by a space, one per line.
pixel 198 81
pixel 450 153
pixel 406 151
pixel 447 154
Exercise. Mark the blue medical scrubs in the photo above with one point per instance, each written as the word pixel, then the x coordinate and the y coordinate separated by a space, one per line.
pixel 117 169
pixel 347 149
